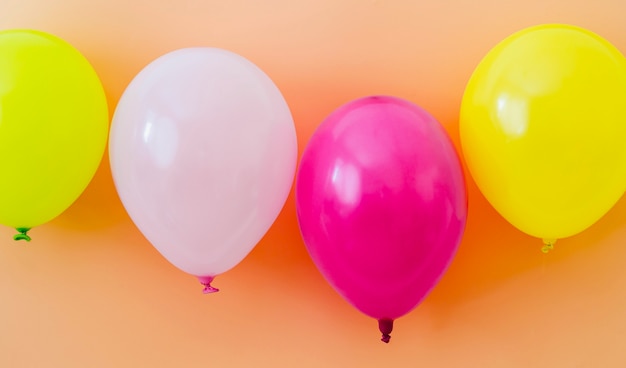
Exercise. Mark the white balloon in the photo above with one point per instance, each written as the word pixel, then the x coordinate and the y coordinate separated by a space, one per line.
pixel 203 153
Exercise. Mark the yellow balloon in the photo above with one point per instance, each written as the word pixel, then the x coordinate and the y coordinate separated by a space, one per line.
pixel 53 127
pixel 543 129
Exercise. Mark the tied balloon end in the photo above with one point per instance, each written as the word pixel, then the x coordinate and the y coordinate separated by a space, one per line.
pixel 208 289
pixel 206 282
pixel 385 326
pixel 22 234
pixel 548 245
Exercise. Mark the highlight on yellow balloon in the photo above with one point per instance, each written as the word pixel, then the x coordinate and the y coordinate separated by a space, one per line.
pixel 53 127
pixel 543 129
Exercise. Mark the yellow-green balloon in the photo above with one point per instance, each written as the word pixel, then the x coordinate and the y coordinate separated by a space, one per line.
pixel 53 127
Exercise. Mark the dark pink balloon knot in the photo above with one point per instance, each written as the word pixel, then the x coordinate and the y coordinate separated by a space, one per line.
pixel 385 326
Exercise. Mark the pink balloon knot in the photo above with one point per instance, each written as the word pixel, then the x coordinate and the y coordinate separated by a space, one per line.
pixel 385 326
pixel 208 289
pixel 206 281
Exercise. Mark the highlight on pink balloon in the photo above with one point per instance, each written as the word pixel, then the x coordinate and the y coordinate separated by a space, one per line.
pixel 203 152
pixel 381 204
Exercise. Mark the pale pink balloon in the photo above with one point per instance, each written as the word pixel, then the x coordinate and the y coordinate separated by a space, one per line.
pixel 203 152
pixel 382 205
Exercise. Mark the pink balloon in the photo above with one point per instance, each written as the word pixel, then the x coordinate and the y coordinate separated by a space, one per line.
pixel 381 204
pixel 203 152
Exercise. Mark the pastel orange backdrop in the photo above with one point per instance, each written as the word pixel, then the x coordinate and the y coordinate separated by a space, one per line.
pixel 90 291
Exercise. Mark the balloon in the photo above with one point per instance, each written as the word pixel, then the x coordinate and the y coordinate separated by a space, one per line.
pixel 543 129
pixel 381 204
pixel 53 127
pixel 203 152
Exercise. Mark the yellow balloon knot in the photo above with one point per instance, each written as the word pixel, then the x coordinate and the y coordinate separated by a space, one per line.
pixel 548 245
pixel 22 234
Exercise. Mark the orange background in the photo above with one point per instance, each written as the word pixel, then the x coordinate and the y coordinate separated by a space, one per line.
pixel 90 291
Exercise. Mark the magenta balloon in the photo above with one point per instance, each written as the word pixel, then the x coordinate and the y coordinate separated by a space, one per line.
pixel 381 204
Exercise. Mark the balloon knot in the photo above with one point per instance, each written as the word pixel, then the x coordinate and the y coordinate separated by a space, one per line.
pixel 22 234
pixel 206 281
pixel 208 289
pixel 385 326
pixel 548 245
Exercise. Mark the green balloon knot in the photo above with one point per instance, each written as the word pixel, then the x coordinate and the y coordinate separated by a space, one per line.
pixel 548 245
pixel 22 234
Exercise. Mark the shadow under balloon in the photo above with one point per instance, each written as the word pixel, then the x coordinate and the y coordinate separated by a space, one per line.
pixel 493 253
pixel 99 206
pixel 281 255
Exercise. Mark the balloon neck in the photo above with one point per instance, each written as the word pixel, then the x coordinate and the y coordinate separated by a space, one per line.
pixel 385 326
pixel 22 234
pixel 548 245
pixel 206 282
